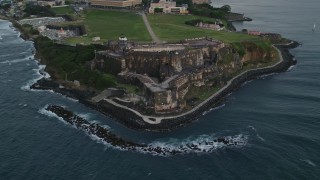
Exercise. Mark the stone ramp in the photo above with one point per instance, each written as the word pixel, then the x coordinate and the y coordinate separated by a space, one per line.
pixel 104 94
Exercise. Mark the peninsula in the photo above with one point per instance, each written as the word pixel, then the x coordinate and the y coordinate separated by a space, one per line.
pixel 152 66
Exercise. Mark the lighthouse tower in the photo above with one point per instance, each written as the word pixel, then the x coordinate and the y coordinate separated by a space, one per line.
pixel 123 42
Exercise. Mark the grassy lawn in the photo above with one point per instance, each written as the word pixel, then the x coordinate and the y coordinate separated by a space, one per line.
pixel 78 40
pixel 110 24
pixel 173 28
pixel 62 10
pixel 129 88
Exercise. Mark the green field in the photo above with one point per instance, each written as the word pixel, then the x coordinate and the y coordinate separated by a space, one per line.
pixel 62 10
pixel 173 28
pixel 111 24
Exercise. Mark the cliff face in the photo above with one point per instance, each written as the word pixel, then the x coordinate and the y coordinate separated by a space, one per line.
pixel 255 53
pixel 178 71
pixel 162 64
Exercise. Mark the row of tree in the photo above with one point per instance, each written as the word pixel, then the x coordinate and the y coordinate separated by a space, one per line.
pixel 39 11
pixel 209 11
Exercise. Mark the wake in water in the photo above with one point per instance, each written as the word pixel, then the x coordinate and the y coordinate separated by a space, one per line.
pixel 201 144
pixel 308 162
pixel 291 68
pixel 212 109
pixel 256 132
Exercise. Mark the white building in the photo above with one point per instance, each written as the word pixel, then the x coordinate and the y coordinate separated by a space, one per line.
pixel 167 6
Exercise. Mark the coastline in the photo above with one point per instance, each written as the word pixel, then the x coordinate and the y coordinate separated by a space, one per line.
pixel 106 136
pixel 135 120
pixel 17 26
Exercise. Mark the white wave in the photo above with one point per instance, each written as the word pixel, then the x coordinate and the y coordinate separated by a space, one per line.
pixel 261 138
pixel 252 127
pixel 53 92
pixel 92 136
pixel 256 132
pixel 266 75
pixel 309 162
pixel 21 53
pixel 40 74
pixel 247 82
pixel 69 98
pixel 291 68
pixel 50 114
pixel 84 116
pixel 201 144
pixel 18 60
pixel 212 109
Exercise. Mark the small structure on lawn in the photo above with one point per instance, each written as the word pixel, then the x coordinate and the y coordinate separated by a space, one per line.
pixel 123 42
pixel 95 39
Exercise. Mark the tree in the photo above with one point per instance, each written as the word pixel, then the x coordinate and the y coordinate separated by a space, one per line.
pixel 6 7
pixel 226 8
pixel 145 3
pixel 158 10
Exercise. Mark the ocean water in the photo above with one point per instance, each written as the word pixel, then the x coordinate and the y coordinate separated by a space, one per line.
pixel 278 114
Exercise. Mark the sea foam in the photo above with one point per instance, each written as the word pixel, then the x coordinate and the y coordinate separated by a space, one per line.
pixel 40 73
pixel 50 114
pixel 199 144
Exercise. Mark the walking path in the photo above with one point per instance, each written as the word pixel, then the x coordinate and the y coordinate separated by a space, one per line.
pixel 152 34
pixel 157 120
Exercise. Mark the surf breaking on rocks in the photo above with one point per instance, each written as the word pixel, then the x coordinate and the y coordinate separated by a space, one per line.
pixel 103 134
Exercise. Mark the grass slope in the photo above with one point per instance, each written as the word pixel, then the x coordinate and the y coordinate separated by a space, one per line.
pixel 173 28
pixel 110 24
pixel 69 63
pixel 62 10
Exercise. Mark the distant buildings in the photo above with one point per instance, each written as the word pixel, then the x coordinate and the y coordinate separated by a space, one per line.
pixel 254 33
pixel 115 3
pixel 167 6
pixel 200 1
pixel 51 2
pixel 215 27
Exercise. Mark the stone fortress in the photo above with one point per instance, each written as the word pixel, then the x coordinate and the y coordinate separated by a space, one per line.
pixel 166 72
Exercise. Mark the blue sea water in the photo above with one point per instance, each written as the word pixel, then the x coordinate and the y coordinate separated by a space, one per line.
pixel 279 115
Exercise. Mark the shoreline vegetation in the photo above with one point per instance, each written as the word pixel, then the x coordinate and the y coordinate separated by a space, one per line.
pixel 54 56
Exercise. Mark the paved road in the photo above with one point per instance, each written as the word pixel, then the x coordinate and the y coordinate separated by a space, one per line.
pixel 152 34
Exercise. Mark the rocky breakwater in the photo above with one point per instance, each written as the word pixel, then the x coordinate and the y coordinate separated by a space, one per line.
pixel 104 134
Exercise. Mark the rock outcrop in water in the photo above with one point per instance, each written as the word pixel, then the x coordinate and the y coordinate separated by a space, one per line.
pixel 105 135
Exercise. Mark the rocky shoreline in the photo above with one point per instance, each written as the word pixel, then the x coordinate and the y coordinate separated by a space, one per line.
pixel 105 135
pixel 135 121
